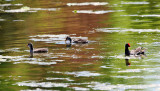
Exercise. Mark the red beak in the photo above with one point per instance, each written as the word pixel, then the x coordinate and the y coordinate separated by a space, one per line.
pixel 129 45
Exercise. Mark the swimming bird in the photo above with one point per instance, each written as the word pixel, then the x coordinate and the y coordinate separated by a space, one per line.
pixel 68 40
pixel 78 40
pixel 38 50
pixel 137 51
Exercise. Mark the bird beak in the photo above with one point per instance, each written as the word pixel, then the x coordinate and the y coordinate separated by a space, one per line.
pixel 129 45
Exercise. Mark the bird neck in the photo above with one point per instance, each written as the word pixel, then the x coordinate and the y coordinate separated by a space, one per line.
pixel 127 53
pixel 68 38
pixel 31 49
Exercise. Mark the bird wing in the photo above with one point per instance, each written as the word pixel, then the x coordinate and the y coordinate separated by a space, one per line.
pixel 41 50
pixel 132 52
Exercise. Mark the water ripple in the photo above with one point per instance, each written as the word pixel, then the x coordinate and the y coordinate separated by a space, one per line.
pixel 144 77
pixel 87 3
pixel 68 79
pixel 41 84
pixel 110 30
pixel 144 2
pixel 83 74
pixel 36 62
pixel 28 9
pixel 122 87
pixel 4 5
pixel 78 74
pixel 96 12
pixel 152 15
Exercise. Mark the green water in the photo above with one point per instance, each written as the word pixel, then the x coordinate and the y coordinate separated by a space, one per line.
pixel 98 65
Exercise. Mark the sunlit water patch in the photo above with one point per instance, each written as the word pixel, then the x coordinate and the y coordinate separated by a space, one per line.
pixel 110 30
pixel 122 87
pixel 106 67
pixel 144 2
pixel 156 43
pixel 127 57
pixel 5 5
pixel 37 62
pixel 8 58
pixel 42 84
pixel 143 77
pixel 100 57
pixel 28 9
pixel 80 89
pixel 143 43
pixel 2 19
pixel 96 12
pixel 151 15
pixel 79 74
pixel 35 84
pixel 37 89
pixel 11 50
pixel 28 60
pixel 18 20
pixel 83 74
pixel 58 39
pixel 67 79
pixel 87 3
pixel 138 70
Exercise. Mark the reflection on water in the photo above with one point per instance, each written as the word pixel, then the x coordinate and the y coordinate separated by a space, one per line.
pixel 87 3
pixel 110 30
pixel 28 9
pixel 143 2
pixel 97 65
pixel 96 12
pixel 127 62
pixel 68 45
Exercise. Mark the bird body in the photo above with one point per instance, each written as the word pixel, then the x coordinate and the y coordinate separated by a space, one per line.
pixel 127 52
pixel 78 40
pixel 136 51
pixel 38 50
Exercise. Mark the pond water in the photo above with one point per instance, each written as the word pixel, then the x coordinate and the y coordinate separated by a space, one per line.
pixel 98 65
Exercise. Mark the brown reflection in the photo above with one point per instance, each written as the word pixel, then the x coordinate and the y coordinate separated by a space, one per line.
pixel 81 57
pixel 127 62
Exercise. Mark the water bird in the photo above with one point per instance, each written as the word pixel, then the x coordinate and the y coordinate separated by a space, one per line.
pixel 68 40
pixel 137 51
pixel 38 50
pixel 78 40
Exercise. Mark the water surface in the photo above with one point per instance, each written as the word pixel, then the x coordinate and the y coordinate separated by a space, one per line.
pixel 98 65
